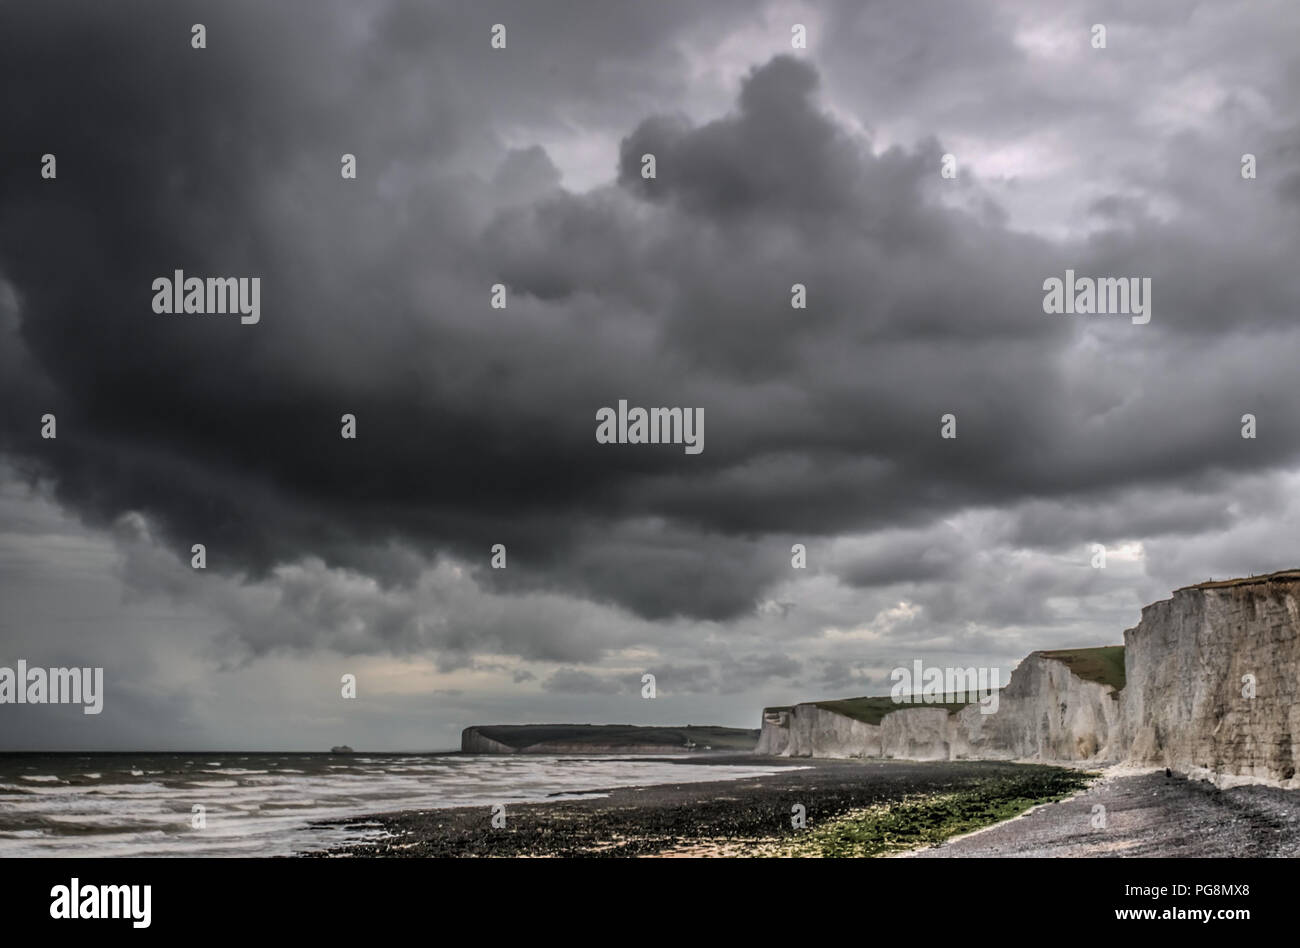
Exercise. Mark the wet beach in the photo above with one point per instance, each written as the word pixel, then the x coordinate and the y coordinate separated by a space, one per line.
pixel 751 816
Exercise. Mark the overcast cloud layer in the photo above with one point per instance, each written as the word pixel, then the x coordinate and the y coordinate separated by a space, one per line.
pixel 476 425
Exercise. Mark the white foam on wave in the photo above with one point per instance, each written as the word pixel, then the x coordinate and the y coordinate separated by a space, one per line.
pixel 234 771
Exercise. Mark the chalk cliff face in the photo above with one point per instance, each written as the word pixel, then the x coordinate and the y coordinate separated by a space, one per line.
pixel 474 741
pixel 1187 662
pixel 806 730
pixel 918 733
pixel 1046 712
pixel 1210 687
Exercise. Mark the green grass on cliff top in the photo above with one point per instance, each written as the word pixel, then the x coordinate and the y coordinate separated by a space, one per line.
pixel 873 710
pixel 1104 665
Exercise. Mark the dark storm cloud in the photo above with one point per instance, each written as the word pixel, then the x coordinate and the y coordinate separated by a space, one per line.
pixel 476 426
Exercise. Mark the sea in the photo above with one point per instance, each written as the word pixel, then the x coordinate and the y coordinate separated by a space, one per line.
pixel 253 804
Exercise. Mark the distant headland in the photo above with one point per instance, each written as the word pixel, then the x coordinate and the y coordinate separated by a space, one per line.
pixel 604 739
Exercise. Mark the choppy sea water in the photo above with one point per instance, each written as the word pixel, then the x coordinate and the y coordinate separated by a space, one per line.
pixel 264 804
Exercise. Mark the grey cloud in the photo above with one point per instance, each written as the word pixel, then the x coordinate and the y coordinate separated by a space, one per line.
pixel 575 681
pixel 476 425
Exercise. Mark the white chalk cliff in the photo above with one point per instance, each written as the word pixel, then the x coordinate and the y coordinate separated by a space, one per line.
pixel 1046 712
pixel 1210 687
pixel 1213 681
pixel 806 730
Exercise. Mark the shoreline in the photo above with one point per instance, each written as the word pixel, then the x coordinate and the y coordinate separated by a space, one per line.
pixel 852 807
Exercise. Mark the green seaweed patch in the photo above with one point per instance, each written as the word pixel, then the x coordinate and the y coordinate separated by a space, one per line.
pixel 928 819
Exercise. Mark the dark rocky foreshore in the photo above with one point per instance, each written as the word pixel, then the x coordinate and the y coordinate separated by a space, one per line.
pixel 714 818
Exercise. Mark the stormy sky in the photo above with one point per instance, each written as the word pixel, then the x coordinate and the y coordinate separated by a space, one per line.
pixel 476 425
